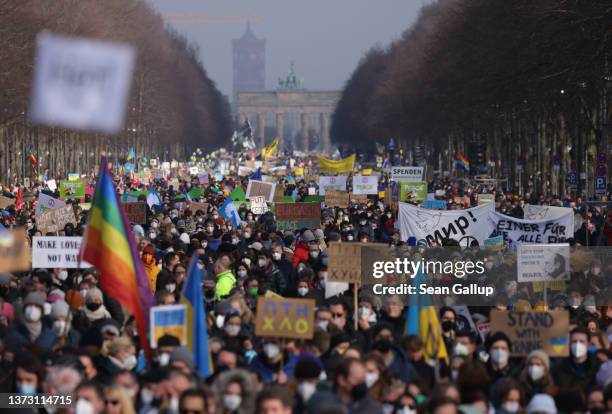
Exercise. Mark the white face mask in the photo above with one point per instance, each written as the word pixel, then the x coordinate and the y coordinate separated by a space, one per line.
pixel 314 254
pixel 83 407
pixel 323 324
pixel 130 362
pixel 232 329
pixel 371 378
pixel 59 327
pixel 306 389
pixel 171 287
pixel 499 356
pixel 219 321
pixel 174 405
pixel 200 266
pixel 46 308
pixel 232 402
pixel 147 396
pixel 303 291
pixel 154 224
pixel 271 350
pixel 83 293
pixel 511 407
pixel 163 359
pixel 535 372
pixel 454 374
pixel 276 256
pixel 246 261
pixel 364 312
pixel 204 244
pixel 349 237
pixel 62 275
pixel 241 273
pixel 461 349
pixel 33 313
pixel 262 262
pixel 152 236
pixel 210 229
pixel 578 349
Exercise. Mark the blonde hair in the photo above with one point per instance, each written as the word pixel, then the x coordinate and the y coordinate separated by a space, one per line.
pixel 246 314
pixel 116 392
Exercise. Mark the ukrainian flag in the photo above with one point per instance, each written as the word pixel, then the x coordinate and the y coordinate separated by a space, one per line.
pixel 271 150
pixel 197 338
pixel 423 321
pixel 337 166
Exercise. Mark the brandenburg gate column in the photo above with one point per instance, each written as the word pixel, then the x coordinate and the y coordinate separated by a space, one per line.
pixel 279 128
pixel 325 132
pixel 304 124
pixel 261 129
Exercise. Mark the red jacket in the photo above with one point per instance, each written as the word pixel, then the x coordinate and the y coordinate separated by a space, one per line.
pixel 300 254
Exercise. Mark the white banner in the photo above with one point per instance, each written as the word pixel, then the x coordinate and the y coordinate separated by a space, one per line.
pixel 81 83
pixel 535 212
pixel 543 262
pixel 335 182
pixel 52 252
pixel 46 202
pixel 517 231
pixel 365 184
pixel 464 226
pixel 407 173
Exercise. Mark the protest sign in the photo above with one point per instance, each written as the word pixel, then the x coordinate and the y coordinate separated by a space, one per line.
pixel 344 262
pixel 244 171
pixel 494 243
pixel 543 262
pixel 435 204
pixel 168 320
pixel 411 174
pixel 483 330
pixel 81 83
pixel 461 225
pixel 535 212
pixel 531 330
pixel 365 184
pixel 327 182
pixel 193 170
pixel 261 188
pixel 72 189
pixel 259 205
pixel 55 219
pixel 52 184
pixel 413 191
pixel 463 319
pixel 203 179
pixel 285 318
pixel 517 231
pixel 14 251
pixel 46 202
pixel 291 216
pixel 73 176
pixel 53 252
pixel 5 202
pixel 358 198
pixel 279 194
pixel 194 207
pixel 486 198
pixel 136 212
pixel 335 198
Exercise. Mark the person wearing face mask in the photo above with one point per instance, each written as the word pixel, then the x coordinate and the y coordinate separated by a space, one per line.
pixel 498 365
pixel 235 392
pixel 578 371
pixel 267 270
pixel 94 307
pixel 394 358
pixel 301 252
pixel 29 374
pixel 225 279
pixel 507 396
pixel 62 325
pixel 268 362
pixel 306 373
pixel 535 376
pixel 363 227
pixel 31 331
pixel 378 379
pixel 150 265
pixel 171 259
pixel 121 356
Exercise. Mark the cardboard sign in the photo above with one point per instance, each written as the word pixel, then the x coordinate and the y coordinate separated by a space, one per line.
pixel 259 205
pixel 5 202
pixel 292 216
pixel 279 194
pixel 261 188
pixel 53 252
pixel 543 262
pixel 411 174
pixel 168 320
pixel 285 318
pixel 486 198
pixel 46 203
pixel 14 251
pixel 365 184
pixel 334 198
pixel 81 83
pixel 531 330
pixel 72 189
pixel 358 198
pixel 344 262
pixel 413 191
pixel 194 207
pixel 136 212
pixel 55 219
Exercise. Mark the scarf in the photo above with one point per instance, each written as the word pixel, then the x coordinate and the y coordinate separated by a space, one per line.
pixel 34 329
pixel 100 313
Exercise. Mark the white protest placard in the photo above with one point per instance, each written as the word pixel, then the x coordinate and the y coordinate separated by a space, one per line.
pixel 464 226
pixel 407 173
pixel 52 184
pixel 365 184
pixel 328 182
pixel 535 212
pixel 194 170
pixel 543 262
pixel 259 205
pixel 516 231
pixel 81 83
pixel 46 202
pixel 52 252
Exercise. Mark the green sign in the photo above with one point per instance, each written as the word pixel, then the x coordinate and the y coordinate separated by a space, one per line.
pixel 72 189
pixel 413 191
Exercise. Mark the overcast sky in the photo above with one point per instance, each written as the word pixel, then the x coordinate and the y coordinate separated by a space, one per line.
pixel 325 38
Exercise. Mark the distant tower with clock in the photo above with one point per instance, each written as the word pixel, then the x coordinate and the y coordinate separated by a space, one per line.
pixel 249 58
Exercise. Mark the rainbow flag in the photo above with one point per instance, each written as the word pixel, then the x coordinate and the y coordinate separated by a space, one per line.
pixel 109 245
pixel 423 321
pixel 461 162
pixel 197 337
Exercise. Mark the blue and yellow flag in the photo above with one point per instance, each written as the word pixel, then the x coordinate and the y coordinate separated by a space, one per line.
pixel 337 166
pixel 271 150
pixel 423 322
pixel 197 337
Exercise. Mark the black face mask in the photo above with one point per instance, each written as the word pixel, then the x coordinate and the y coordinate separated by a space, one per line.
pixel 448 326
pixel 383 345
pixel 93 306
pixel 359 391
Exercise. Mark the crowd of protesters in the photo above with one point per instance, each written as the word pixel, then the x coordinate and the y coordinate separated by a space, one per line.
pixel 61 334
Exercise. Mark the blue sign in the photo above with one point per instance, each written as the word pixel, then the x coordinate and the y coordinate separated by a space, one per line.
pixel 601 185
pixel 572 180
pixel 435 204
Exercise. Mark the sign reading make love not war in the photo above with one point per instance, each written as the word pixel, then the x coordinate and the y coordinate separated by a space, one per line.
pixel 46 202
pixel 365 184
pixel 531 330
pixel 412 174
pixel 461 225
pixel 292 216
pixel 329 182
pixel 52 252
pixel 285 318
pixel 168 320
pixel 543 262
pixel 81 83
pixel 517 231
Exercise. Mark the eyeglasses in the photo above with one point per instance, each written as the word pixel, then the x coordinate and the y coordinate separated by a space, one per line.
pixel 112 402
pixel 337 315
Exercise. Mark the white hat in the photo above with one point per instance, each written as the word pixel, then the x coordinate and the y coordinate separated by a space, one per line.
pixel 542 403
